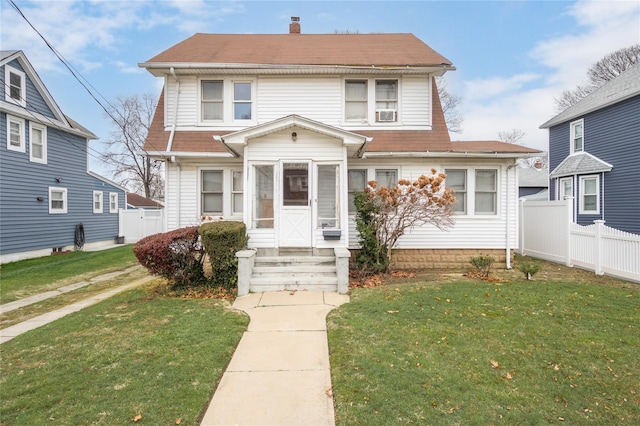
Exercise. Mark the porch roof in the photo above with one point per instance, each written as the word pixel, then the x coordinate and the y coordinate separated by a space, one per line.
pixel 579 164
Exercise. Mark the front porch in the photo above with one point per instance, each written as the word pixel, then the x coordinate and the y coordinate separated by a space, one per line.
pixel 265 270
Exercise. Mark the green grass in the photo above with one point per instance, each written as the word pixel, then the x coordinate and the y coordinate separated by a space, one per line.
pixel 471 352
pixel 27 277
pixel 136 353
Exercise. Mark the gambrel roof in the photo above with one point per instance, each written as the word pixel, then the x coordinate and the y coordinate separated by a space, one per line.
pixel 624 86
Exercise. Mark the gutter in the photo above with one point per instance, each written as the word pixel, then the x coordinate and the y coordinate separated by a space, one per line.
pixel 508 233
pixel 175 111
pixel 425 154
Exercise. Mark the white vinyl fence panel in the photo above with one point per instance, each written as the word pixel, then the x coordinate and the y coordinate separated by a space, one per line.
pixel 136 224
pixel 547 232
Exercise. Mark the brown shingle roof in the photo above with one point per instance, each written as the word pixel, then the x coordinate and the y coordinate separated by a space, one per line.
pixel 136 200
pixel 303 49
pixel 491 146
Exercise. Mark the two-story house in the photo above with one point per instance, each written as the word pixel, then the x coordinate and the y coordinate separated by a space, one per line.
pixel 279 130
pixel 49 200
pixel 594 153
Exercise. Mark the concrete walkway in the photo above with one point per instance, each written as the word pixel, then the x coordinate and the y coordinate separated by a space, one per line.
pixel 9 333
pixel 279 374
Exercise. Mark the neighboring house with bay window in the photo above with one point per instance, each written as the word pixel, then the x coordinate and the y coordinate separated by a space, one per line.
pixel 279 131
pixel 594 154
pixel 49 200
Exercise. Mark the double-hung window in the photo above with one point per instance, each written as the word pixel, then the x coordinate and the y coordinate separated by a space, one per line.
pixel 212 102
pixel 263 212
pixel 113 202
pixel 57 200
pixel 387 177
pixel 328 196
pixel 242 103
pixel 355 108
pixel 577 136
pixel 15 86
pixel 356 182
pixel 37 143
pixel 457 180
pixel 386 100
pixel 212 192
pixel 97 201
pixel 566 188
pixel 237 186
pixel 486 192
pixel 589 195
pixel 15 134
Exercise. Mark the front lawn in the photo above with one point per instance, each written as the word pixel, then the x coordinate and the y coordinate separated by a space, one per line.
pixel 136 354
pixel 472 352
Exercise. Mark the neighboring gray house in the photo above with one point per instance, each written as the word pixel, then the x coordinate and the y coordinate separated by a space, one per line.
pixel 532 180
pixel 594 154
pixel 49 200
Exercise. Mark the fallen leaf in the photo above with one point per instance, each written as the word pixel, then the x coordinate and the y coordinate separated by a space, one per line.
pixel 178 421
pixel 561 419
pixel 556 367
pixel 494 364
pixel 509 376
pixel 329 392
pixel 392 312
pixel 137 417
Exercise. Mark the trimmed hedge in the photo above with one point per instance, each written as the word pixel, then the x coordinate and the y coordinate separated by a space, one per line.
pixel 175 255
pixel 221 241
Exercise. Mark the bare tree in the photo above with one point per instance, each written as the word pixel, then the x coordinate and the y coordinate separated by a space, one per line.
pixel 606 69
pixel 450 106
pixel 132 118
pixel 511 136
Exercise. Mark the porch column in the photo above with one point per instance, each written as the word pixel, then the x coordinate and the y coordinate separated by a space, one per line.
pixel 342 268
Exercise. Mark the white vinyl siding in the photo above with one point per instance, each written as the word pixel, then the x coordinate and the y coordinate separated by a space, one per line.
pixel 37 143
pixel 15 134
pixel 98 202
pixel 57 200
pixel 416 101
pixel 589 194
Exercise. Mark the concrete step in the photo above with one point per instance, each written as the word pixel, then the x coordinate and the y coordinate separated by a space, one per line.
pixel 294 260
pixel 289 281
pixel 295 271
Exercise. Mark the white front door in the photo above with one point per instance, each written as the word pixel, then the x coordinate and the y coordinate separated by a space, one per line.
pixel 295 204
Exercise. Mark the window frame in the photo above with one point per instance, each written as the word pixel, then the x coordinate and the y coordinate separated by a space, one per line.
pixel 43 132
pixel 22 145
pixel 464 192
pixel 235 101
pixel 573 126
pixel 8 70
pixel 98 203
pixel 351 208
pixel 396 100
pixel 113 209
pixel 233 192
pixel 494 192
pixel 582 182
pixel 364 100
pixel 396 171
pixel 202 192
pixel 256 221
pixel 63 209
pixel 203 101
pixel 560 196
pixel 472 190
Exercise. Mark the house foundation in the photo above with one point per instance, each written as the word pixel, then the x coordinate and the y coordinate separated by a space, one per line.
pixel 443 258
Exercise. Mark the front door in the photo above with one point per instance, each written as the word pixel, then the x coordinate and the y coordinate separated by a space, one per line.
pixel 295 204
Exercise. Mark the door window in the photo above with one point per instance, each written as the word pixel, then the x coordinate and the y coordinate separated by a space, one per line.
pixel 295 184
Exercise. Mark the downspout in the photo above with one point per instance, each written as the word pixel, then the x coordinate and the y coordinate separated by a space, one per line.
pixel 508 233
pixel 170 143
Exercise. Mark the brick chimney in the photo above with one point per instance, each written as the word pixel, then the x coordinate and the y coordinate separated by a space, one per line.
pixel 294 26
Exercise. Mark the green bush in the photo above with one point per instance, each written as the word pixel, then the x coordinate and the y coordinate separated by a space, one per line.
pixel 482 263
pixel 372 257
pixel 221 241
pixel 529 269
pixel 175 255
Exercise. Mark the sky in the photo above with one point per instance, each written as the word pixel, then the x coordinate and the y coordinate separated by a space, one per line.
pixel 512 58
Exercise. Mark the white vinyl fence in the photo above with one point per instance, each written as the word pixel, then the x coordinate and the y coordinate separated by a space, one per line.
pixel 136 224
pixel 547 231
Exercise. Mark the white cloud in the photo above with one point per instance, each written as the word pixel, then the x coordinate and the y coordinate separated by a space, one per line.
pixel 477 90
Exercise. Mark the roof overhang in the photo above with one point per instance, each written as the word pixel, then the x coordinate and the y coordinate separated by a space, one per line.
pixel 581 163
pixel 172 155
pixel 160 69
pixel 448 154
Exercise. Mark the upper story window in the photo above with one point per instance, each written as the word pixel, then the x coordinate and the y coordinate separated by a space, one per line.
pixel 57 200
pixel 97 201
pixel 386 100
pixel 242 104
pixel 37 143
pixel 457 180
pixel 113 202
pixel 15 134
pixel 355 100
pixel 212 100
pixel 589 195
pixel 15 85
pixel 577 136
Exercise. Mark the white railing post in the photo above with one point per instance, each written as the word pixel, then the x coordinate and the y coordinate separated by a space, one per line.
pixel 598 247
pixel 568 221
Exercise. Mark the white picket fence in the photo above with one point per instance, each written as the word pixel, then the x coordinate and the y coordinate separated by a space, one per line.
pixel 547 231
pixel 136 224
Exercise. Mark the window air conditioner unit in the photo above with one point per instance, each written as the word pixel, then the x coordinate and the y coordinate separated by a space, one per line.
pixel 386 115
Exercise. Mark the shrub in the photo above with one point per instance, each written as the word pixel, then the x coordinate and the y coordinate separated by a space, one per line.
pixel 175 255
pixel 529 269
pixel 221 241
pixel 372 257
pixel 482 263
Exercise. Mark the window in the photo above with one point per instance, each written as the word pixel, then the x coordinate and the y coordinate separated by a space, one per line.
pixel 566 188
pixel 212 100
pixel 388 178
pixel 236 192
pixel 356 100
pixel 486 191
pixel 328 194
pixel 590 195
pixel 37 143
pixel 263 196
pixel 212 181
pixel 113 202
pixel 242 101
pixel 577 136
pixel 15 134
pixel 386 100
pixel 57 200
pixel 15 89
pixel 457 180
pixel 97 201
pixel 357 181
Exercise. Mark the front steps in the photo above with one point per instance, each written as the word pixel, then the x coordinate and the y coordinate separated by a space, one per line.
pixel 276 273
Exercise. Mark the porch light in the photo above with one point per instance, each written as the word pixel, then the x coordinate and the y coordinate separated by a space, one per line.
pixel 294 136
